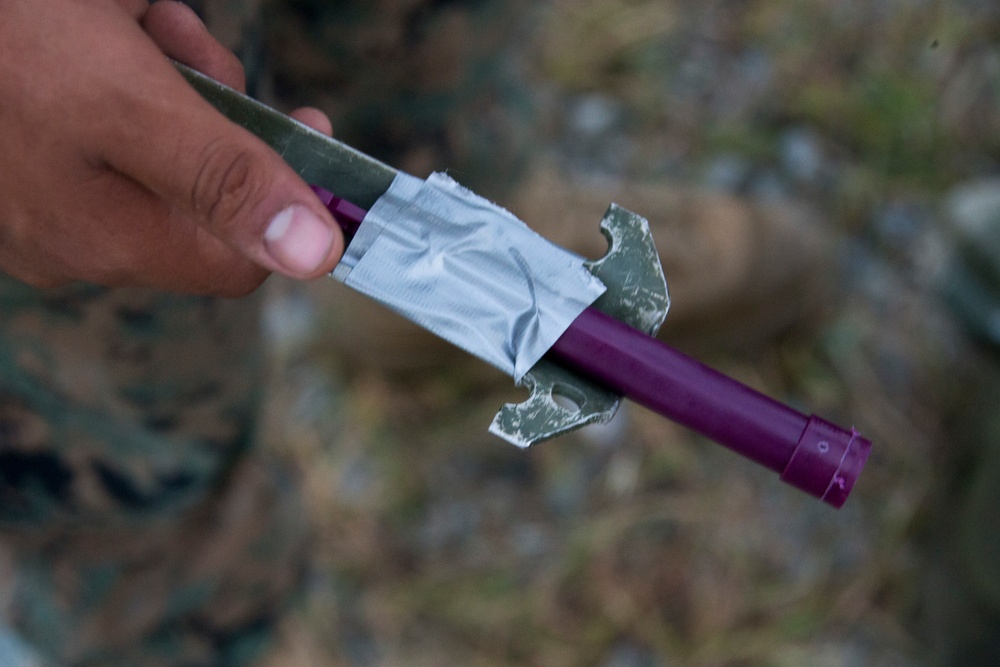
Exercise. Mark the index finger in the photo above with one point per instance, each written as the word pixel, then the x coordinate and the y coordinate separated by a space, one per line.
pixel 181 35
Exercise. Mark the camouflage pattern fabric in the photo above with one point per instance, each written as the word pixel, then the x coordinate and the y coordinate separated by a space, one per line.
pixel 143 524
pixel 421 84
pixel 146 529
pixel 119 405
pixel 204 588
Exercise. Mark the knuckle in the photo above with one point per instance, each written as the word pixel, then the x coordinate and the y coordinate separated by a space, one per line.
pixel 34 278
pixel 122 265
pixel 39 275
pixel 113 276
pixel 39 281
pixel 241 282
pixel 137 8
pixel 239 291
pixel 226 184
pixel 225 277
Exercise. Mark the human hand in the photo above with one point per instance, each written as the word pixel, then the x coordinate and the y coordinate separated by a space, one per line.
pixel 115 171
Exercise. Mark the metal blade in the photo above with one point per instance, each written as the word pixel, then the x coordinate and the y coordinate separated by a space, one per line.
pixel 318 159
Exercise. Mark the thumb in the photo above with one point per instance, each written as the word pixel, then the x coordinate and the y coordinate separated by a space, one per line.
pixel 222 176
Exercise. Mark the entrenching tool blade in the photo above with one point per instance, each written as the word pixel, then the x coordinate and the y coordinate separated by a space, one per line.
pixel 562 400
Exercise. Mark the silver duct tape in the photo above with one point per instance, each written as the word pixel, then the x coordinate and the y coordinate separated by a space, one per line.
pixel 468 271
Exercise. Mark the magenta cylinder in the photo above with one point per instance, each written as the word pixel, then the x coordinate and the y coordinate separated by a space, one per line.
pixel 811 454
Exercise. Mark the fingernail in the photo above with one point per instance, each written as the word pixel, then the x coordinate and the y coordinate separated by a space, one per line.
pixel 298 240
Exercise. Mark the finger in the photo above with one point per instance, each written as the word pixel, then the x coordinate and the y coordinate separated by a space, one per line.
pixel 180 34
pixel 314 118
pixel 135 8
pixel 188 260
pixel 30 273
pixel 146 243
pixel 182 149
pixel 211 267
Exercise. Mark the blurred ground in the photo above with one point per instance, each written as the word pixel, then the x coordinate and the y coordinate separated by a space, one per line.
pixel 641 544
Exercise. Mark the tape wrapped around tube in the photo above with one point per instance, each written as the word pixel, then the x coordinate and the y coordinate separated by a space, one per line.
pixel 468 271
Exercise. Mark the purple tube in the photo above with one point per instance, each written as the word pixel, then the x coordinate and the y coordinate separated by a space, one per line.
pixel 347 215
pixel 810 453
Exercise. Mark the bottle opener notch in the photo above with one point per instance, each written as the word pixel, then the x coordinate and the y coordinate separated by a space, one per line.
pixel 636 295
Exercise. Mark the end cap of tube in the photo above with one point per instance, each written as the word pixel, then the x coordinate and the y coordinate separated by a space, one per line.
pixel 826 461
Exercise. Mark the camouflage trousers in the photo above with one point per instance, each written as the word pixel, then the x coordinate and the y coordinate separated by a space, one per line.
pixel 145 525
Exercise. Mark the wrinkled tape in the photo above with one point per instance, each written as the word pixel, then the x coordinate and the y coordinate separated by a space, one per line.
pixel 467 270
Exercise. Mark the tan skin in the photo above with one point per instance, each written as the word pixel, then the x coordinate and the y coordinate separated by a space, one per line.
pixel 114 171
